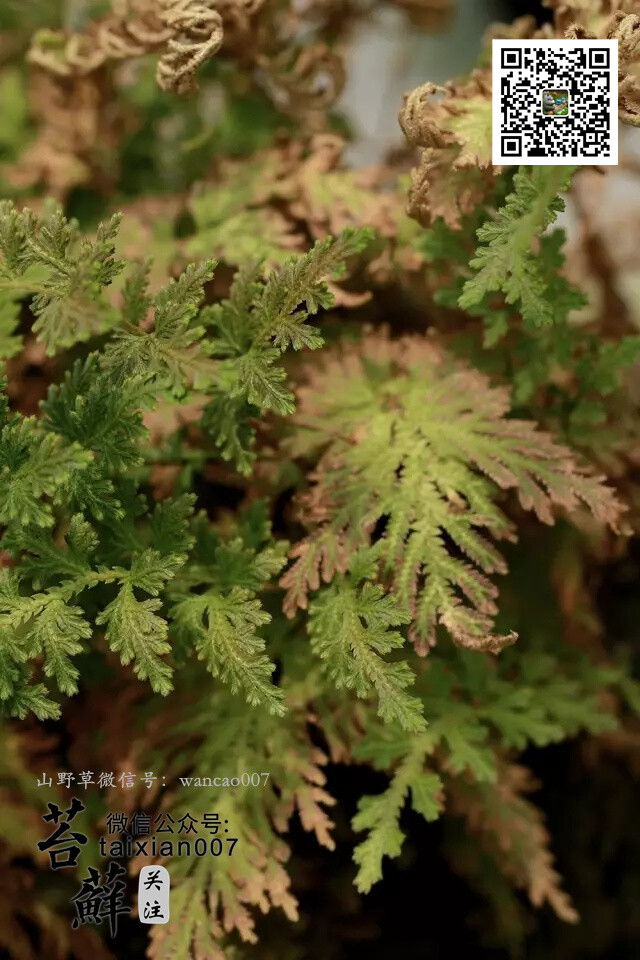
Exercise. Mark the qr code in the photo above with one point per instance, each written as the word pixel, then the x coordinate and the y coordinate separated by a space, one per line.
pixel 555 101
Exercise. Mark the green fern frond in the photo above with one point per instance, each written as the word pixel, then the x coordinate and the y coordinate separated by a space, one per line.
pixel 35 465
pixel 350 632
pixel 380 814
pixel 418 447
pixel 223 631
pixel 47 259
pixel 506 262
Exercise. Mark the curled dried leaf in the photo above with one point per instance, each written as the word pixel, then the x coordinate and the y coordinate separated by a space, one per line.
pixel 185 32
pixel 452 125
pixel 304 79
pixel 196 36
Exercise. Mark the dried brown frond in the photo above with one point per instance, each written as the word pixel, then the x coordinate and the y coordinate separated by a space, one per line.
pixel 452 125
pixel 439 190
pixel 605 20
pixel 512 830
pixel 591 14
pixel 304 80
pixel 78 128
pixel 305 762
pixel 186 33
pixel 329 198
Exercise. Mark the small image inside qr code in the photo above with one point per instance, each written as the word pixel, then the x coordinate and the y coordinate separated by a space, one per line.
pixel 555 101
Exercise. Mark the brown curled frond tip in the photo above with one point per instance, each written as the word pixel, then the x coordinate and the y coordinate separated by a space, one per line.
pixel 186 33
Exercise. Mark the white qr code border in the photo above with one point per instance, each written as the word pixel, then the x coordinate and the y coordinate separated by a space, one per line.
pixel 499 136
